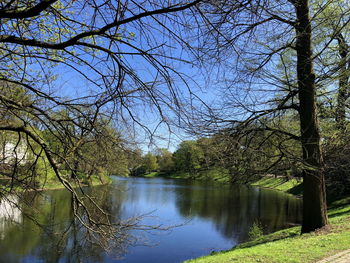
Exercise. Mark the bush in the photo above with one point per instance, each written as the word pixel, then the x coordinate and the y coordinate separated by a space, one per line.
pixel 337 165
pixel 256 231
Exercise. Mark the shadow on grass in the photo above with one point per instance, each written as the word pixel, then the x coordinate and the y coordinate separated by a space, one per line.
pixel 272 181
pixel 282 234
pixel 335 201
pixel 293 187
pixel 342 213
pixel 296 190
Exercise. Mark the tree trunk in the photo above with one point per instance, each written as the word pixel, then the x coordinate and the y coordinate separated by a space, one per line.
pixel 343 83
pixel 314 197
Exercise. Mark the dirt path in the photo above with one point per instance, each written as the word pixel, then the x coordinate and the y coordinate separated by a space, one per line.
pixel 341 257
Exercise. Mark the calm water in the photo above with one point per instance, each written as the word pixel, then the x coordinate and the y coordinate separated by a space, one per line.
pixel 211 218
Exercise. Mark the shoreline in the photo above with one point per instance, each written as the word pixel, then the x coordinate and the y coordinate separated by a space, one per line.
pixel 59 186
pixel 291 186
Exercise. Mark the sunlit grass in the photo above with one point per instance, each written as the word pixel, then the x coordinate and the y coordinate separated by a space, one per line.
pixel 293 186
pixel 151 175
pixel 289 246
pixel 213 174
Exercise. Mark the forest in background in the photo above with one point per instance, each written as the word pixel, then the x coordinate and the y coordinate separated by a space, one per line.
pixel 231 157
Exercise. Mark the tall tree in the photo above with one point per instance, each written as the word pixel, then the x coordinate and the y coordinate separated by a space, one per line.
pixel 314 195
pixel 257 35
pixel 150 163
pixel 343 90
pixel 330 38
pixel 165 160
pixel 188 157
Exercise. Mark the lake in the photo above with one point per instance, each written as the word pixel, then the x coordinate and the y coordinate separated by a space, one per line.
pixel 203 217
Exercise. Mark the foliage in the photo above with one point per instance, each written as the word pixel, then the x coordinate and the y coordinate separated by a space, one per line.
pixel 70 87
pixel 145 165
pixel 255 231
pixel 90 154
pixel 149 163
pixel 188 157
pixel 292 186
pixel 165 161
pixel 134 157
pixel 267 120
pixel 337 168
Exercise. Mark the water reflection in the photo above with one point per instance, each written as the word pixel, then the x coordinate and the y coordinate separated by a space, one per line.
pixel 47 231
pixel 220 217
pixel 9 213
pixel 234 209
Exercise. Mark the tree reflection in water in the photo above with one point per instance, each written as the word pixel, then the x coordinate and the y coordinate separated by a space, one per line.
pixel 234 209
pixel 48 230
pixel 44 229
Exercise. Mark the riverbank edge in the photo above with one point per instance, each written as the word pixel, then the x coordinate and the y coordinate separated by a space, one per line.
pixel 57 185
pixel 292 186
pixel 60 186
pixel 288 245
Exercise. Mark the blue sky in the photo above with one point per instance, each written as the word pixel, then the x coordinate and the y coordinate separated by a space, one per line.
pixel 151 35
pixel 72 84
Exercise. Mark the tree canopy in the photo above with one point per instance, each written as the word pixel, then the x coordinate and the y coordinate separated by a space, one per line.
pixel 74 76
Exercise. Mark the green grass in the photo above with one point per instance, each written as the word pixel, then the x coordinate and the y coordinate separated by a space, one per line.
pixel 214 174
pixel 49 181
pixel 285 245
pixel 151 175
pixel 289 246
pixel 292 186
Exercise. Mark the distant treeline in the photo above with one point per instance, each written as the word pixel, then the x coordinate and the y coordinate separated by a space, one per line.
pixel 244 155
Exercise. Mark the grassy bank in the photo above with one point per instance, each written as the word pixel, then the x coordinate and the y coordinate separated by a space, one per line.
pixel 215 174
pixel 153 174
pixel 93 181
pixel 52 183
pixel 289 246
pixel 47 179
pixel 292 186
